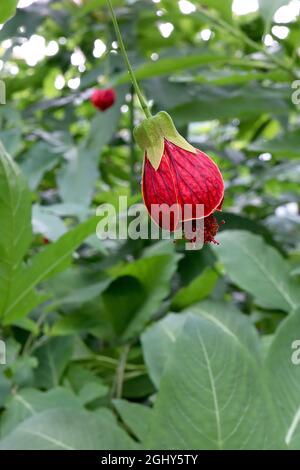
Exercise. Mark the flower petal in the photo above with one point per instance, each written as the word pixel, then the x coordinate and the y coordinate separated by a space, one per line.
pixel 160 193
pixel 183 178
pixel 198 180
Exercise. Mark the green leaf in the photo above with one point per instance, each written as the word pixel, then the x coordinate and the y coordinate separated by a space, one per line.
pixel 78 375
pixel 209 102
pixel 284 378
pixel 54 258
pixel 93 4
pixel 283 146
pixel 53 357
pixel 5 388
pixel 67 429
pixel 47 224
pixel 82 294
pixel 197 290
pixel 92 391
pixel 223 77
pixel 223 8
pixel 203 405
pixel 15 216
pixel 159 339
pixel 121 302
pixel 238 222
pixel 77 178
pixel 232 320
pixel 135 416
pixel 8 9
pixel 37 161
pixel 85 319
pixel 136 294
pixel 29 402
pixel 259 269
pixel 169 65
pixel 11 140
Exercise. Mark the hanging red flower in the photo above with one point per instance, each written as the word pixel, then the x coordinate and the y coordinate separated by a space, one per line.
pixel 103 99
pixel 177 175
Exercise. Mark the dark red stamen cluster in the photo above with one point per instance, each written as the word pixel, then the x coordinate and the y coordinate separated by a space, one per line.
pixel 210 228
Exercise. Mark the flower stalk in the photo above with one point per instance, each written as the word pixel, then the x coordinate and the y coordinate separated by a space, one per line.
pixel 140 96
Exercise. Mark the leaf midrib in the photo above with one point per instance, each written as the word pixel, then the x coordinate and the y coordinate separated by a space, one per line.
pixel 214 393
pixel 50 439
pixel 12 212
pixel 44 273
pixel 293 427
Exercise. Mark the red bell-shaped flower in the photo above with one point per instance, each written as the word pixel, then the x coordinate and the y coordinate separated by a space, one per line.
pixel 178 176
pixel 103 99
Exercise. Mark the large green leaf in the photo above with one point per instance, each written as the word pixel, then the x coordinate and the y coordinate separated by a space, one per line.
pixel 137 292
pixel 198 289
pixel 77 177
pixel 232 320
pixel 37 161
pixel 135 416
pixel 169 65
pixel 11 138
pixel 82 294
pixel 29 402
pixel 53 357
pixel 67 429
pixel 211 395
pixel 5 387
pixel 283 146
pixel 93 4
pixel 208 102
pixel 8 8
pixel 240 77
pixel 15 215
pixel 174 65
pixel 92 391
pixel 239 222
pixel 223 8
pixel 159 339
pixel 46 223
pixel 284 378
pixel 215 103
pixel 54 258
pixel 259 269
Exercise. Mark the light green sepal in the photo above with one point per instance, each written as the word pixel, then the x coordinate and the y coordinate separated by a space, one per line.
pixel 150 135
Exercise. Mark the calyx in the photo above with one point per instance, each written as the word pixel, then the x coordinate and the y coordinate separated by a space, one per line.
pixel 150 135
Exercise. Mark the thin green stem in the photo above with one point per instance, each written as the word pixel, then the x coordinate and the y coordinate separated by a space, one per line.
pixel 119 379
pixel 140 96
pixel 132 146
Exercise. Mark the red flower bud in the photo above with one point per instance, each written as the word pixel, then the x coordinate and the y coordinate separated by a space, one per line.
pixel 103 99
pixel 178 175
